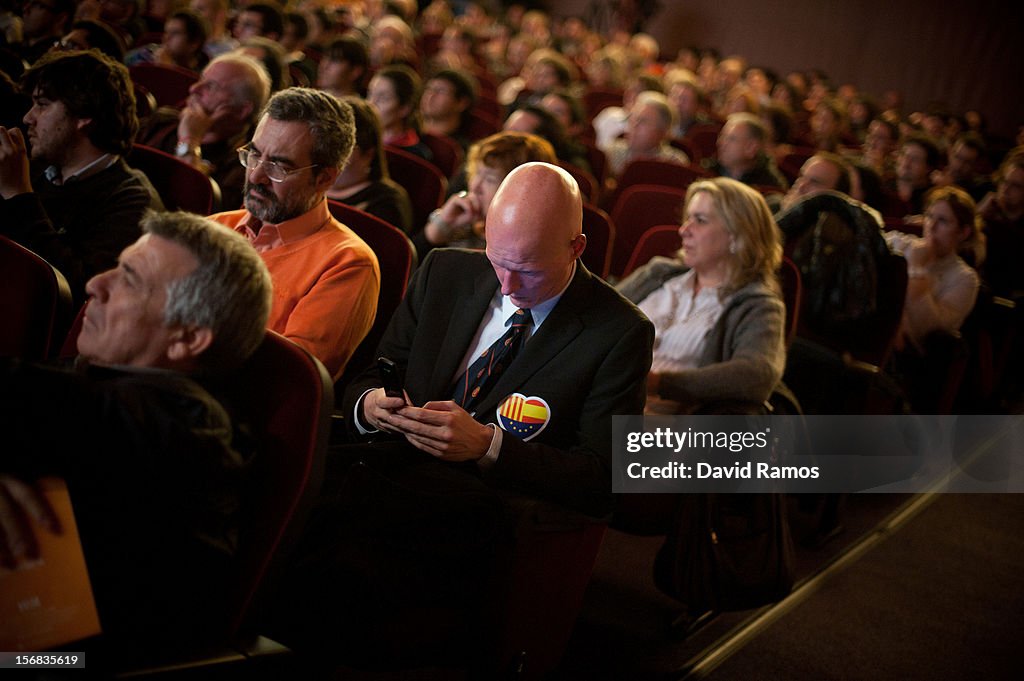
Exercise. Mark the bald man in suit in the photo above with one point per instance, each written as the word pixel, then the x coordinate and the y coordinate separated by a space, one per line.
pixel 421 519
pixel 586 355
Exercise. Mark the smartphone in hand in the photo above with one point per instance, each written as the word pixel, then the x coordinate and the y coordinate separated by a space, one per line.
pixel 390 377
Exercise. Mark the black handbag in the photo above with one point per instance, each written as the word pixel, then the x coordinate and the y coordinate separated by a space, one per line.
pixel 727 552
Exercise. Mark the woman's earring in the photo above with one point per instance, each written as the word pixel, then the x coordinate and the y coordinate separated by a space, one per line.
pixel 732 247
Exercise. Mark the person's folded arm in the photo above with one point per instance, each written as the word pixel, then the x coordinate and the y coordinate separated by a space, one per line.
pixel 757 360
pixel 929 309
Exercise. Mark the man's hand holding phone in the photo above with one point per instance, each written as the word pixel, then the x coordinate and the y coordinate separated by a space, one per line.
pixel 441 428
pixel 381 403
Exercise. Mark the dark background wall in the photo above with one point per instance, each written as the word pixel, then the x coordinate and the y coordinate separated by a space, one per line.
pixel 969 55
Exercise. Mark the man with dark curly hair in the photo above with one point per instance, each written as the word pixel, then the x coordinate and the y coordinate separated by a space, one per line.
pixel 77 204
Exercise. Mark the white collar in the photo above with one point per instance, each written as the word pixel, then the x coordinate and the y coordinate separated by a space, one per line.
pixel 53 173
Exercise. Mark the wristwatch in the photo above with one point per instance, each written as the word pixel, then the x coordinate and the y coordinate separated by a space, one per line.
pixel 183 149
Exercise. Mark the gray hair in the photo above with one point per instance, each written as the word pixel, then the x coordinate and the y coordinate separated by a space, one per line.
pixel 229 292
pixel 660 104
pixel 253 89
pixel 330 122
pixel 754 125
pixel 397 24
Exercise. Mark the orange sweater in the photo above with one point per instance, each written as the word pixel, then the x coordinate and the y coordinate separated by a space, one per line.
pixel 325 285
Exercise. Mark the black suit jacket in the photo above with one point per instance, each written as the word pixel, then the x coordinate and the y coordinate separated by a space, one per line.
pixel 589 360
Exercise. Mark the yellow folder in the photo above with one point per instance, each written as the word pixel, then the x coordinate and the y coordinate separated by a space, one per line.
pixel 48 602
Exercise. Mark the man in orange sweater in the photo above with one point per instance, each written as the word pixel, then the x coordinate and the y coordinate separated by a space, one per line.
pixel 326 278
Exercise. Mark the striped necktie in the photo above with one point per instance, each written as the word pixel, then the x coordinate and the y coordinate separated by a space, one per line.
pixel 481 375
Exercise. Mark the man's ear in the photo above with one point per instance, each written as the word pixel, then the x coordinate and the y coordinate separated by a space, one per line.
pixel 188 342
pixel 325 177
pixel 243 111
pixel 752 147
pixel 83 123
pixel 579 244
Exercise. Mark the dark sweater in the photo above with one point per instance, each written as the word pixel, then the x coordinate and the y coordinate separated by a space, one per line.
pixel 155 475
pixel 82 226
pixel 763 174
pixel 386 200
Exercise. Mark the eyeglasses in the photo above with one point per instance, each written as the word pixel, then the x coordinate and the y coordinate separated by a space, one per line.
pixel 250 158
pixel 66 45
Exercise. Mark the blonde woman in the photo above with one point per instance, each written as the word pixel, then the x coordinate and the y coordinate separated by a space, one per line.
pixel 717 309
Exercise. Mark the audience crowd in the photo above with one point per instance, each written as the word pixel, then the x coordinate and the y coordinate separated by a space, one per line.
pixel 528 118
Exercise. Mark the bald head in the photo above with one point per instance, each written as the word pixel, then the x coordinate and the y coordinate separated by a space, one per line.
pixel 821 172
pixel 537 198
pixel 535 232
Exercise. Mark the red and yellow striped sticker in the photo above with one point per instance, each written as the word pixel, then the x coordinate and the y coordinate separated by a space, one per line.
pixel 522 416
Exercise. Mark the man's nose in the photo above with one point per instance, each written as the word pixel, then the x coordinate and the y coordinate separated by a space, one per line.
pixel 509 284
pixel 96 287
pixel 258 175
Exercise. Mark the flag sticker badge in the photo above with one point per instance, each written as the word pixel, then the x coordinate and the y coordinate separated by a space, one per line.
pixel 523 416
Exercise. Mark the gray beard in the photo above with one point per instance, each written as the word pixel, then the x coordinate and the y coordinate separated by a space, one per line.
pixel 272 210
